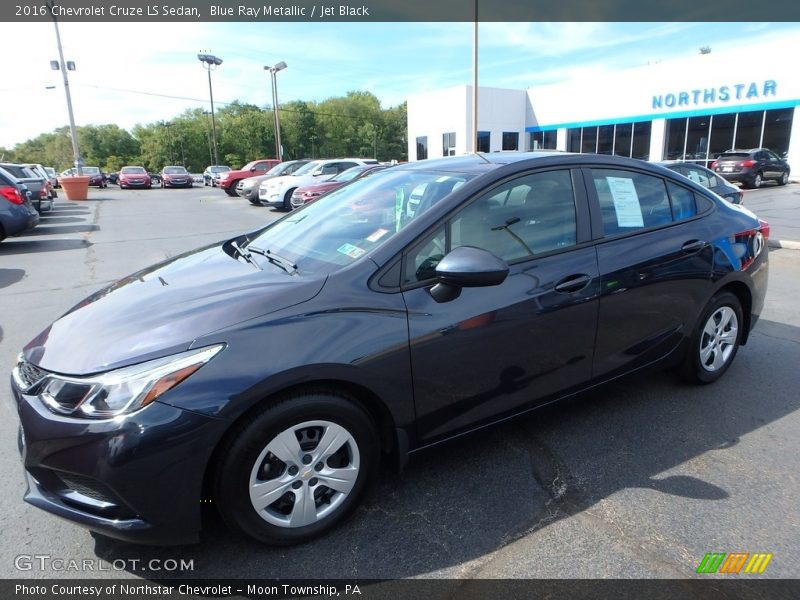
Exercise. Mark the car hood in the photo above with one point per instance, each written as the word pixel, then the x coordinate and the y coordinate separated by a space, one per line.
pixel 254 181
pixel 162 309
pixel 320 187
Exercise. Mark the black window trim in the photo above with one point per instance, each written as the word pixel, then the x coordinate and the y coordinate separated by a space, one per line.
pixel 594 203
pixel 582 217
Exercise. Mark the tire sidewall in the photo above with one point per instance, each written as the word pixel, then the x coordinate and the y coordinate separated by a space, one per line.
pixel 693 369
pixel 233 473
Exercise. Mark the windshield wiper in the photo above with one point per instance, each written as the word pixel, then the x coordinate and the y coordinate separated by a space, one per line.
pixel 245 255
pixel 276 259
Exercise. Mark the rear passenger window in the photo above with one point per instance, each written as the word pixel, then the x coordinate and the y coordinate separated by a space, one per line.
pixel 631 201
pixel 683 204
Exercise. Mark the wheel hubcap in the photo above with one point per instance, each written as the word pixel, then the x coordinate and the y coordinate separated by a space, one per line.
pixel 304 474
pixel 719 339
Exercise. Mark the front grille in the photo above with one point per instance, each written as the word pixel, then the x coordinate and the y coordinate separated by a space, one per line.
pixel 88 487
pixel 30 374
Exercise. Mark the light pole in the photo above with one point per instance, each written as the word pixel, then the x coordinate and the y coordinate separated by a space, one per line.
pixel 208 134
pixel 211 62
pixel 272 71
pixel 168 126
pixel 62 66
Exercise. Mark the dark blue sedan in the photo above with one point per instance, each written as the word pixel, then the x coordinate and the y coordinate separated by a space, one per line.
pixel 267 375
pixel 17 213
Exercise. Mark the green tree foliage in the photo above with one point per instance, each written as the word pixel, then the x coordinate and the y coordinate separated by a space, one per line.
pixel 350 125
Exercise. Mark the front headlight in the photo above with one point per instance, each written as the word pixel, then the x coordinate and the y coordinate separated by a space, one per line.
pixel 122 391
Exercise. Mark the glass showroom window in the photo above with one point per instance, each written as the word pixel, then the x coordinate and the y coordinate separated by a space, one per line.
pixel 777 126
pixel 589 141
pixel 697 138
pixel 605 139
pixel 674 139
pixel 510 140
pixel 484 138
pixel 574 138
pixel 641 140
pixel 748 129
pixel 543 140
pixel 623 138
pixel 449 144
pixel 422 147
pixel 722 128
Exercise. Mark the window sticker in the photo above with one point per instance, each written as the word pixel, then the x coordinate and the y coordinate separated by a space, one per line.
pixel 626 202
pixel 694 176
pixel 350 250
pixel 377 234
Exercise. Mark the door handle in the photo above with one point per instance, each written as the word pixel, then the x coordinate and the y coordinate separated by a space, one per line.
pixel 693 246
pixel 573 283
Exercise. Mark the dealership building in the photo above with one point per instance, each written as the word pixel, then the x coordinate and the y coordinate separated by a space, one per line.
pixel 688 109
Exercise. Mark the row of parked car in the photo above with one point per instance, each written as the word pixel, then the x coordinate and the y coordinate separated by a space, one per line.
pixel 26 191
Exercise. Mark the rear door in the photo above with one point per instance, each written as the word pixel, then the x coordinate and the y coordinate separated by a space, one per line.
pixel 655 265
pixel 496 350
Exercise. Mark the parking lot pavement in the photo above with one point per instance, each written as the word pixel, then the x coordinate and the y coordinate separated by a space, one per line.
pixel 780 207
pixel 639 479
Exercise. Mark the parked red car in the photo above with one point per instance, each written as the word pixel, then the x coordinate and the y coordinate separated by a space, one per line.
pixel 309 193
pixel 134 177
pixel 175 176
pixel 228 180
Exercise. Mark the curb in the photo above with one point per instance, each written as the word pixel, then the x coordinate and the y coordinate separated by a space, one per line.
pixel 785 244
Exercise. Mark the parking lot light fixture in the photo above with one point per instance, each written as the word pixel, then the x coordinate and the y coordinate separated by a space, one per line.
pixel 211 62
pixel 272 71
pixel 62 66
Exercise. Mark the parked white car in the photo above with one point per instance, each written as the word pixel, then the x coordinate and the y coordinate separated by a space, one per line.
pixel 278 191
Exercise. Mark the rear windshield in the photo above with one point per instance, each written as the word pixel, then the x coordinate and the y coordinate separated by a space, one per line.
pixel 20 172
pixel 734 155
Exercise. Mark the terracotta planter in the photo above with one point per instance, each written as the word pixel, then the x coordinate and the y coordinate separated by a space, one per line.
pixel 75 188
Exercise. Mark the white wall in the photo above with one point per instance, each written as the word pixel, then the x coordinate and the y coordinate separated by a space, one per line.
pixel 434 113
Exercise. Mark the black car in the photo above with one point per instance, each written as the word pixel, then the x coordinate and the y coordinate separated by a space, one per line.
pixel 752 167
pixel 708 179
pixel 268 373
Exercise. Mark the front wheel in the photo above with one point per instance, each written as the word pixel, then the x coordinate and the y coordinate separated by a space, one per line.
pixel 715 341
pixel 287 200
pixel 784 178
pixel 296 469
pixel 231 189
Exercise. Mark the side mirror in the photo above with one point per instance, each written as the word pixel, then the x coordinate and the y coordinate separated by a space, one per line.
pixel 467 266
pixel 252 169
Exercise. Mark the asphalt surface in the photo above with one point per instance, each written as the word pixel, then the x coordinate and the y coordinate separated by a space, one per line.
pixel 638 479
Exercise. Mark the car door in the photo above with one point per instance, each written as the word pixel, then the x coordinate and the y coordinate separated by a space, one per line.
pixel 655 265
pixel 496 350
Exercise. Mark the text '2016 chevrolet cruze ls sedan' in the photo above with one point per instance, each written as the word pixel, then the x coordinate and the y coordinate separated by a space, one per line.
pixel 269 373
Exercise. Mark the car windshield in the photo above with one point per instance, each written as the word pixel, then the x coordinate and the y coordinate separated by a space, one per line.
pixel 286 168
pixel 344 225
pixel 174 171
pixel 219 169
pixel 348 175
pixel 133 170
pixel 308 167
pixel 91 170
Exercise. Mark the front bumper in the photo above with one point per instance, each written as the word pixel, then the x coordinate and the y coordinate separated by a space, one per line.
pixel 135 184
pixel 178 183
pixel 137 478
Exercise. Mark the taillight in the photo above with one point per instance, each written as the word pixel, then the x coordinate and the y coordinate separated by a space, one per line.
pixel 763 226
pixel 714 165
pixel 43 193
pixel 741 196
pixel 748 163
pixel 11 194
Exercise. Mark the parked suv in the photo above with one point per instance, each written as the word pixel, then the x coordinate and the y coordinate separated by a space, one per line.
pixel 278 192
pixel 248 188
pixel 228 180
pixel 752 167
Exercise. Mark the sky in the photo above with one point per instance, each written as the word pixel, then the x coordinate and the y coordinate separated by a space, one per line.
pixel 129 73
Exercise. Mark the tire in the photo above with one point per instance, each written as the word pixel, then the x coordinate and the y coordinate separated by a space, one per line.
pixel 287 200
pixel 757 181
pixel 231 189
pixel 715 341
pixel 784 179
pixel 298 470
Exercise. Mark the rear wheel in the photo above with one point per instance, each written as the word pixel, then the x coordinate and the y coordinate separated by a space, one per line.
pixel 757 181
pixel 295 470
pixel 715 341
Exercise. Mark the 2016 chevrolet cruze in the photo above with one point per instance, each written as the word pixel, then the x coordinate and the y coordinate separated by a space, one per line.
pixel 269 373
